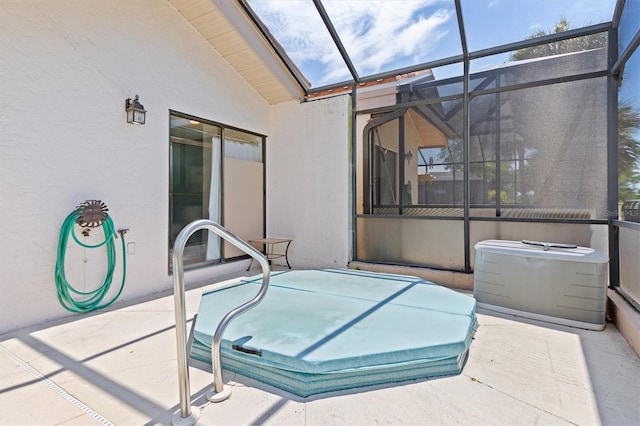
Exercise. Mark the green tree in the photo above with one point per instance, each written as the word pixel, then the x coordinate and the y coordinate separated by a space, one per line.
pixel 628 117
pixel 628 153
pixel 588 42
pixel 628 127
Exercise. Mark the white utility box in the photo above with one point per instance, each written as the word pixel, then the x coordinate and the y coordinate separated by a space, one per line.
pixel 560 283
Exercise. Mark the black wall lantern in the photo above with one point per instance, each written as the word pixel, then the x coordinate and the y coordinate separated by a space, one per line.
pixel 135 111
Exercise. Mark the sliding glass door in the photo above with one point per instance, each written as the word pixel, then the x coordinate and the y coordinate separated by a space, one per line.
pixel 216 173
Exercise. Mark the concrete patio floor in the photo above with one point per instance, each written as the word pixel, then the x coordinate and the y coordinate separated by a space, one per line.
pixel 119 367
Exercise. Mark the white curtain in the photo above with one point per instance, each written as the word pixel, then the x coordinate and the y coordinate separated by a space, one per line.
pixel 213 242
pixel 242 150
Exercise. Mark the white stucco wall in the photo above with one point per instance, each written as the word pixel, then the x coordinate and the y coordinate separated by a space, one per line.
pixel 308 180
pixel 66 68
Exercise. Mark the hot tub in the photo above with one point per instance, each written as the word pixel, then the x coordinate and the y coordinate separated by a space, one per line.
pixel 320 331
pixel 564 285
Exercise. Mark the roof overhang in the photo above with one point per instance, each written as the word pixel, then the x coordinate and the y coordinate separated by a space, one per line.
pixel 228 29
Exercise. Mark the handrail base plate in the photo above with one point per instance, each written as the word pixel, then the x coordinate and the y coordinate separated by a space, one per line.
pixel 178 420
pixel 214 396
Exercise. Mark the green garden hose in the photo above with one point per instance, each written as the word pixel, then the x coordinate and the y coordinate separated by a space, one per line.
pixel 89 300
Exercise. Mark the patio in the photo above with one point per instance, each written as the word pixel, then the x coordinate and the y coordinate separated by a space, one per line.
pixel 473 121
pixel 119 367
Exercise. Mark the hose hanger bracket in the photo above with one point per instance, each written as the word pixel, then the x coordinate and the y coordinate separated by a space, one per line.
pixel 91 214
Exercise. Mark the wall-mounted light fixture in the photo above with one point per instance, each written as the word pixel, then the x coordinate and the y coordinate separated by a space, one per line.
pixel 135 111
pixel 408 156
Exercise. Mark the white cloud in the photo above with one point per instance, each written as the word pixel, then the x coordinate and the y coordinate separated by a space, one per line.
pixel 374 33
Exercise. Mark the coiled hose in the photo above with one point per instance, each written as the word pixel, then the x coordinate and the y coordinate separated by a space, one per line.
pixel 89 300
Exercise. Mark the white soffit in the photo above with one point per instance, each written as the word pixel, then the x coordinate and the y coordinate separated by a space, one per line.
pixel 430 136
pixel 224 25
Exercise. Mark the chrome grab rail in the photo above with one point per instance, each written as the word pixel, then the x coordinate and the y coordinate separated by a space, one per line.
pixel 188 415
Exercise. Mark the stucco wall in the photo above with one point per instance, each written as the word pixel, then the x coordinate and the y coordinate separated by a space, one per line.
pixel 308 181
pixel 67 68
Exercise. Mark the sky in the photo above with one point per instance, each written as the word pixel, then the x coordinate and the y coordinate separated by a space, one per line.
pixel 383 35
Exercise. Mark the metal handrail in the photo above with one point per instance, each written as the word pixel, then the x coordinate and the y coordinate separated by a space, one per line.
pixel 188 415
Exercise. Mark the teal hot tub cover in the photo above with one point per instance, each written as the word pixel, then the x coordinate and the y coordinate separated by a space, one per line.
pixel 325 330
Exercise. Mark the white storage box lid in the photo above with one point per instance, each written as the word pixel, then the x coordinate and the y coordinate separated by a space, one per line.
pixel 544 250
